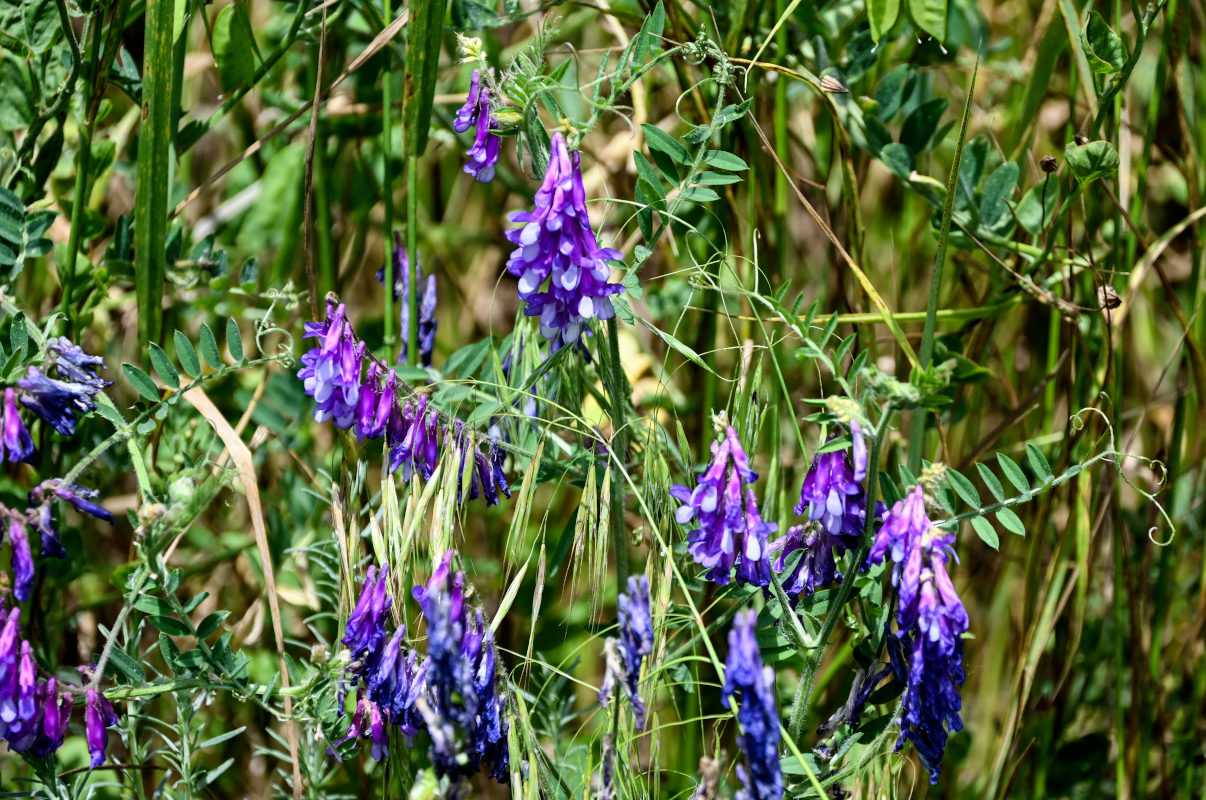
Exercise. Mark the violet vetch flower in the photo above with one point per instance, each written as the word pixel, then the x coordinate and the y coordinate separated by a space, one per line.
pixel 331 370
pixel 758 712
pixel 79 497
pixel 413 437
pixel 73 364
pixel 365 628
pixel 369 723
pixel 17 444
pixel 556 249
pixel 58 403
pixel 927 649
pixel 43 522
pixel 465 714
pixel 486 476
pixel 56 713
pixel 483 155
pixel 731 532
pixel 395 681
pixel 832 493
pixel 376 403
pixel 426 301
pixel 23 565
pixel 636 640
pixel 99 716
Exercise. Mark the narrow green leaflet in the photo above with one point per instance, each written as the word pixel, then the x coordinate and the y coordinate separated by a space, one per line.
pixel 141 382
pixel 186 355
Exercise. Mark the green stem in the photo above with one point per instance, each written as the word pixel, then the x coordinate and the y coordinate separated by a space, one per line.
pixel 387 138
pixel 412 250
pixel 799 709
pixel 619 418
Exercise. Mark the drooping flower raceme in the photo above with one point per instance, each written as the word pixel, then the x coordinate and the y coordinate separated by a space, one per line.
pixel 635 643
pixel 33 713
pixel 373 403
pixel 392 679
pixel 426 302
pixel 365 628
pixel 331 370
pixel 483 155
pixel 833 494
pixel 464 718
pixel 758 713
pixel 563 274
pixel 730 530
pixel 927 649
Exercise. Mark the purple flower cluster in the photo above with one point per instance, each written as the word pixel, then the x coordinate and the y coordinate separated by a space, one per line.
pixel 483 155
pixel 331 370
pixel 731 530
pixel 33 712
pixel 427 302
pixel 61 401
pixel 758 714
pixel 464 718
pixel 927 650
pixel 563 273
pixel 636 642
pixel 450 694
pixel 392 679
pixel 834 500
pixel 368 401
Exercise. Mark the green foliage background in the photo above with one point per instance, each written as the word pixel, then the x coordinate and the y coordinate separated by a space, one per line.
pixel 168 169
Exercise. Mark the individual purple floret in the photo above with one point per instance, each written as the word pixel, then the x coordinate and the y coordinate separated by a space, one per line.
pixel 17 444
pixel 99 716
pixel 731 532
pixel 79 497
pixel 23 565
pixel 563 273
pixel 464 717
pixel 833 493
pixel 331 370
pixel 483 155
pixel 636 640
pixel 427 302
pixel 758 713
pixel 927 649
pixel 365 629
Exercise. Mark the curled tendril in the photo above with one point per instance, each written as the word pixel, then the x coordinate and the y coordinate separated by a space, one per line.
pixel 1116 458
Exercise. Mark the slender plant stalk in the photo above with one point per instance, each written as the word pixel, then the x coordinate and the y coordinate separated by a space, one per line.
pixel 154 170
pixel 387 189
pixel 925 353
